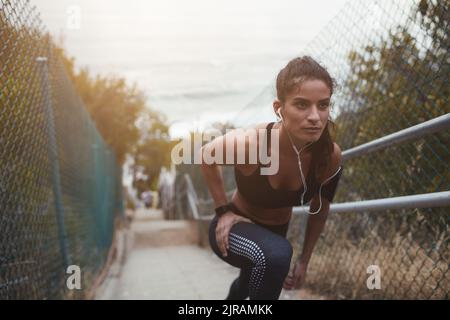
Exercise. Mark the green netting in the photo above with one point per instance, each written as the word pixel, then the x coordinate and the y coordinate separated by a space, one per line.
pixel 60 185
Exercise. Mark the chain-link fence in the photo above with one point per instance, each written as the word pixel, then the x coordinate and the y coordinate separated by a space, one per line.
pixel 391 61
pixel 60 186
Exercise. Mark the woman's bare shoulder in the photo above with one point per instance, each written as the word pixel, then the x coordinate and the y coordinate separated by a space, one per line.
pixel 238 142
pixel 333 165
pixel 336 160
pixel 248 137
pixel 336 157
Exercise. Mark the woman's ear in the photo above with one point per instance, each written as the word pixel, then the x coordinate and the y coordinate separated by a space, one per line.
pixel 277 107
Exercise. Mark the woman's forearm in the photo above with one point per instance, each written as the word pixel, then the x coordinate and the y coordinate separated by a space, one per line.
pixel 212 174
pixel 314 228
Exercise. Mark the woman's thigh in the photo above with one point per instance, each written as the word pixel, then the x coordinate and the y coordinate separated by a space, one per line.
pixel 252 244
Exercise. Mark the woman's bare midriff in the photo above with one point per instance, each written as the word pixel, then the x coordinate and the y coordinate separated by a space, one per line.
pixel 267 216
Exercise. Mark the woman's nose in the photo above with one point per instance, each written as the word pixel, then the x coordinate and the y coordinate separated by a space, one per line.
pixel 314 114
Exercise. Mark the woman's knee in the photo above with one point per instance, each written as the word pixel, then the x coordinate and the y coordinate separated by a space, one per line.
pixel 279 254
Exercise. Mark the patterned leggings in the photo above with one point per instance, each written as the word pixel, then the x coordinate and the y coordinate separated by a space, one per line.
pixel 263 254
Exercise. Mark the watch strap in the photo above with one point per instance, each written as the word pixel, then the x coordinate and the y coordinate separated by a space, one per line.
pixel 222 209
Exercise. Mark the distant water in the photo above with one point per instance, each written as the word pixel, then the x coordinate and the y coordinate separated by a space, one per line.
pixel 198 61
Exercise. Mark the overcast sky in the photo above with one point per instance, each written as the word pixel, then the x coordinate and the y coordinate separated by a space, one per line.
pixel 198 61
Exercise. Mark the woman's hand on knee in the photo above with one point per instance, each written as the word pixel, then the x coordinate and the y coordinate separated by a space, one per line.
pixel 224 224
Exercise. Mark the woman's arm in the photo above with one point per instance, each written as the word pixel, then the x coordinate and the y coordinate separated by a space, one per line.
pixel 212 172
pixel 213 176
pixel 316 222
pixel 314 227
pixel 237 142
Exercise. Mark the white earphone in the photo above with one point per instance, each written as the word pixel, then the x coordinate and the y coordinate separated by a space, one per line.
pixel 297 152
pixel 279 113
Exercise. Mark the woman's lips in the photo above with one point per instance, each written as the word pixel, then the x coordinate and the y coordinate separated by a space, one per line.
pixel 312 130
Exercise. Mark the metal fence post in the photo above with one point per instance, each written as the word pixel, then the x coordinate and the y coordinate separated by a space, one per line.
pixel 53 156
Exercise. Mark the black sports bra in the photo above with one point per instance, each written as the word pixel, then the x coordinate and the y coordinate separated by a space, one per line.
pixel 257 189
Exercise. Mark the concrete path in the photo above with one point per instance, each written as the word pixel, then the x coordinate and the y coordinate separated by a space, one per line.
pixel 164 262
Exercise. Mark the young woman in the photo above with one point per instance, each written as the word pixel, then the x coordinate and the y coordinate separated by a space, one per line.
pixel 250 231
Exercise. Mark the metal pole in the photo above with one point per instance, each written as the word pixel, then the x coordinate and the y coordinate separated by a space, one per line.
pixel 426 200
pixel 415 132
pixel 53 155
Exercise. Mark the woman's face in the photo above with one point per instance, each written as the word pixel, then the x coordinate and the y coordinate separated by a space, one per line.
pixel 307 107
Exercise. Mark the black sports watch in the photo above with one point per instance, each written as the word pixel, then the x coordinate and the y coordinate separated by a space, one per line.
pixel 222 209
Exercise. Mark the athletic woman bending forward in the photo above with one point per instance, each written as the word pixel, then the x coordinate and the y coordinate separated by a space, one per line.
pixel 250 231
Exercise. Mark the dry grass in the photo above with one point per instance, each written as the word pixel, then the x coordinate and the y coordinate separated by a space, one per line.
pixel 338 267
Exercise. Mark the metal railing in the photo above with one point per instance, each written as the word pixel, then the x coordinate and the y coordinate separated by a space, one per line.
pixel 427 200
pixel 430 200
pixel 418 131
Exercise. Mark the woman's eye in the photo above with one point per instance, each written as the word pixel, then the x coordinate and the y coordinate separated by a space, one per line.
pixel 324 105
pixel 302 105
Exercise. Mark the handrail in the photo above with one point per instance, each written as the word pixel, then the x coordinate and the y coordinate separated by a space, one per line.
pixel 425 200
pixel 418 131
pixel 192 196
pixel 190 186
